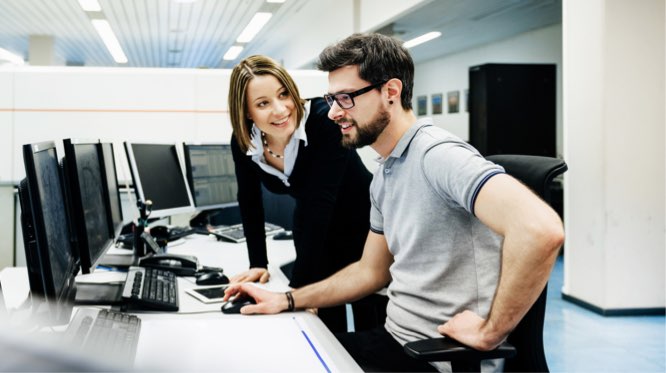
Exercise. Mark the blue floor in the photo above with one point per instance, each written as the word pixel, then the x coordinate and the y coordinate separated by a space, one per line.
pixel 578 340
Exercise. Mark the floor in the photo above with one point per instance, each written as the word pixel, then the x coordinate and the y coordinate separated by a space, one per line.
pixel 578 340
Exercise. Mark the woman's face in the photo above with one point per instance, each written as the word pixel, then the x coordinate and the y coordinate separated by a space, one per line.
pixel 271 107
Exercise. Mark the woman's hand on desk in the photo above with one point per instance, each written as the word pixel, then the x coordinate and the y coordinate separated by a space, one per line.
pixel 267 302
pixel 252 275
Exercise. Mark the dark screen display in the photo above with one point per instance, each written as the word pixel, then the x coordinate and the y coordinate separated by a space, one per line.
pixel 93 207
pixel 55 246
pixel 160 176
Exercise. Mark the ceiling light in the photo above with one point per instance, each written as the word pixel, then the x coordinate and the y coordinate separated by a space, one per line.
pixel 275 1
pixel 232 53
pixel 421 39
pixel 109 38
pixel 10 57
pixel 90 5
pixel 252 28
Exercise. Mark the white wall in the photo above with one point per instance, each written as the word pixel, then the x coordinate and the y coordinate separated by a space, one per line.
pixel 451 73
pixel 116 104
pixel 614 60
pixel 6 225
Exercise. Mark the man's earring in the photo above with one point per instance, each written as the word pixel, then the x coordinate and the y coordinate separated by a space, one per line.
pixel 391 102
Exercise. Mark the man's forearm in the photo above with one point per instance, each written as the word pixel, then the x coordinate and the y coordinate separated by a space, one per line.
pixel 347 285
pixel 526 265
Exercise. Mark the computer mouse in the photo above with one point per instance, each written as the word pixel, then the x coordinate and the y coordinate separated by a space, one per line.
pixel 284 235
pixel 212 278
pixel 235 305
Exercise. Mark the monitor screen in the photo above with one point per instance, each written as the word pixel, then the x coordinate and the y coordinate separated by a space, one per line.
pixel 211 175
pixel 87 194
pixel 158 177
pixel 111 183
pixel 51 263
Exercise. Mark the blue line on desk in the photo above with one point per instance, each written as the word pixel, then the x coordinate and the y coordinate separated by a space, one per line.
pixel 312 345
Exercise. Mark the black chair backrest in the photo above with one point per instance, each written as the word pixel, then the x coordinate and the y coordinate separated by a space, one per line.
pixel 537 173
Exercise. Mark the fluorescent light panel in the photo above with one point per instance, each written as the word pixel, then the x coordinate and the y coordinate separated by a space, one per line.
pixel 421 39
pixel 90 5
pixel 275 1
pixel 256 23
pixel 14 59
pixel 109 38
pixel 232 53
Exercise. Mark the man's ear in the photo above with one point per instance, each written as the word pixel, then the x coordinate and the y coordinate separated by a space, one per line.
pixel 394 89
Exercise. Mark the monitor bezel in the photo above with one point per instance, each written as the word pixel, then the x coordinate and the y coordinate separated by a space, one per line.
pixel 57 303
pixel 114 231
pixel 190 178
pixel 88 259
pixel 138 188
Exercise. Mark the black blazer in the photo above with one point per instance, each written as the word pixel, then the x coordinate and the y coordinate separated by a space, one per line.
pixel 330 185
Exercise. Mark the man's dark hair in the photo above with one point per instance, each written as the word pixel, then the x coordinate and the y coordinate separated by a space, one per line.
pixel 379 58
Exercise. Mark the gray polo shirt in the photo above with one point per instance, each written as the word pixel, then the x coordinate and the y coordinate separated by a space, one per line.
pixel 445 259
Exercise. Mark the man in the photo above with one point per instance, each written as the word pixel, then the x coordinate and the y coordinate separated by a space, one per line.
pixel 443 222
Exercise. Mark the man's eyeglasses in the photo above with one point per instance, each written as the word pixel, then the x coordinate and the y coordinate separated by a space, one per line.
pixel 346 100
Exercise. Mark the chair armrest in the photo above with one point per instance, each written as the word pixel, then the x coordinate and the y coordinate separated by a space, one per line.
pixel 448 349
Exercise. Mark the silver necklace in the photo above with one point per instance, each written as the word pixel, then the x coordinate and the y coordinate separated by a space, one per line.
pixel 274 155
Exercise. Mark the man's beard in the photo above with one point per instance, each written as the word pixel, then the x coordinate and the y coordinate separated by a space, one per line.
pixel 367 134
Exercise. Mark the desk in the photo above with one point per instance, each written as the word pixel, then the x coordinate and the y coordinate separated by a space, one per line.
pixel 200 337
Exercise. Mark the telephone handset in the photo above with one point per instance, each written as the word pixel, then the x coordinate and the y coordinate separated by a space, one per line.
pixel 181 265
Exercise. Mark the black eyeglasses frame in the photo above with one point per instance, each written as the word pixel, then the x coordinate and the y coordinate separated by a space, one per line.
pixel 331 98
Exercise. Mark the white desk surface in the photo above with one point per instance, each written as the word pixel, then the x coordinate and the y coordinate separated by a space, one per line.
pixel 200 337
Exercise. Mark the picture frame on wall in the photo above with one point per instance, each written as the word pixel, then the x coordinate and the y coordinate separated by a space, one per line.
pixel 453 99
pixel 422 105
pixel 436 99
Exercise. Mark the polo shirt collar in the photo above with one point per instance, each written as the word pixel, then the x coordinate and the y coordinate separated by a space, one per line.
pixel 406 138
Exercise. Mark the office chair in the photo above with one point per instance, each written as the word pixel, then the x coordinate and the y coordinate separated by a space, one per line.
pixel 523 349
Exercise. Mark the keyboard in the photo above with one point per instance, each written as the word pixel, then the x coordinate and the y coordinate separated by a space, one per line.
pixel 104 334
pixel 235 233
pixel 151 288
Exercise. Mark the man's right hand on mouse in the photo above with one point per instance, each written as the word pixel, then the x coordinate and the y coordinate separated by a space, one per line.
pixel 252 275
pixel 268 302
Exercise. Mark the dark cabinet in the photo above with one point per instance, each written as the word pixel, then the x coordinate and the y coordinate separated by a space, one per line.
pixel 512 108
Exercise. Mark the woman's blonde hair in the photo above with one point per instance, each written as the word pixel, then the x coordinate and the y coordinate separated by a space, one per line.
pixel 241 75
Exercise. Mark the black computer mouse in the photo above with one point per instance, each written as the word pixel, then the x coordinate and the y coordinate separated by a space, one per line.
pixel 284 235
pixel 235 305
pixel 212 278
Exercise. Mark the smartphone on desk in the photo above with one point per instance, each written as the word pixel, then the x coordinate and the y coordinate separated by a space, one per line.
pixel 181 265
pixel 208 294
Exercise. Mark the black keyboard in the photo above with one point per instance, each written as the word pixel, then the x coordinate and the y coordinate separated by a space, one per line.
pixel 105 335
pixel 151 288
pixel 235 233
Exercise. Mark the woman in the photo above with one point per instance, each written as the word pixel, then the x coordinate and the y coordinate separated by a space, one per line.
pixel 290 146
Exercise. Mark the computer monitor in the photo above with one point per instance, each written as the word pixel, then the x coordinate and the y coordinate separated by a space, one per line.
pixel 114 208
pixel 88 197
pixel 51 262
pixel 158 177
pixel 211 175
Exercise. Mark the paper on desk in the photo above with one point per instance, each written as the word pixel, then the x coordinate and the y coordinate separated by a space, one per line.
pixel 230 343
pixel 102 277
